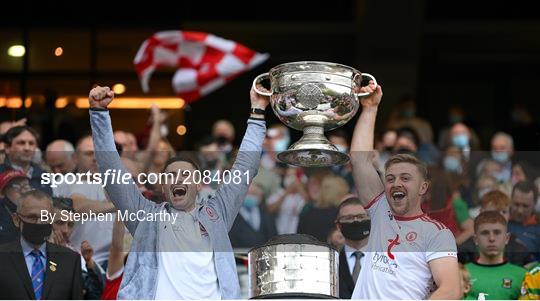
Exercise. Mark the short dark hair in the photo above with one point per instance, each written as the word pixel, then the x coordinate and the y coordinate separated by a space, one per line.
pixel 14 132
pixel 183 157
pixel 350 201
pixel 526 187
pixel 410 133
pixel 489 217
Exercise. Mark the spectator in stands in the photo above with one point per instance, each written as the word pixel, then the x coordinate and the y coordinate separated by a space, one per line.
pixel 60 156
pixel 523 221
pixel 491 274
pixel 385 146
pixel 277 140
pixel 502 150
pixel 287 203
pixel 223 132
pixel 443 202
pixel 484 184
pixel 352 220
pixel 253 226
pixel 21 146
pixel 515 252
pixel 319 220
pixel 335 238
pixel 13 183
pixel 32 267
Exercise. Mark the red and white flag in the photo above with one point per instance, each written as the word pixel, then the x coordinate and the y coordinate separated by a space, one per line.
pixel 205 62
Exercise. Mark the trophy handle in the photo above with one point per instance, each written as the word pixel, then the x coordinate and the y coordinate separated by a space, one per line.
pixel 257 81
pixel 361 94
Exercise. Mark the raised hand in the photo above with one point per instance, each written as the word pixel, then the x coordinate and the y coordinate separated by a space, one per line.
pixel 100 97
pixel 374 98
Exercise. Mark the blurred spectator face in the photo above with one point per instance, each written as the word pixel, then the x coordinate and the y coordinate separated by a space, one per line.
pixel 15 188
pixel 128 143
pixel 223 131
pixel 333 190
pixel 278 138
pixel 86 160
pixel 210 152
pixel 181 196
pixel 389 140
pixel 353 222
pixel 253 197
pixel 405 144
pixel 522 206
pixel 484 185
pixel 60 157
pixel 2 152
pixel 460 135
pixel 491 238
pixel 22 149
pixel 61 227
pixel 491 169
pixel 452 160
pixel 501 148
pixel 163 153
pixel 518 174
pixel 314 188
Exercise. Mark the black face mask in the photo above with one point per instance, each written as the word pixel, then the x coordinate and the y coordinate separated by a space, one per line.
pixel 356 230
pixel 36 233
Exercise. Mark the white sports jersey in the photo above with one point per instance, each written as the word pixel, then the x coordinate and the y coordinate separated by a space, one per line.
pixel 398 252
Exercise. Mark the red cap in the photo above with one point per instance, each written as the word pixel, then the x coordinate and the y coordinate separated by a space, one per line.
pixel 9 175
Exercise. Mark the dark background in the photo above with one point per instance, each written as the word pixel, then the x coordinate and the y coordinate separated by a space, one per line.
pixel 482 55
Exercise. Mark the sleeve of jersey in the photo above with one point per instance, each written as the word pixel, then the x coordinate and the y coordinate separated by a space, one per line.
pixel 442 244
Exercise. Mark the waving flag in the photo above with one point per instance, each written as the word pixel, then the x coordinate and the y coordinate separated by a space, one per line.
pixel 205 62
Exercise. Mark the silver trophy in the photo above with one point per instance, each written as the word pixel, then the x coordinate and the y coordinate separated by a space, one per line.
pixel 313 97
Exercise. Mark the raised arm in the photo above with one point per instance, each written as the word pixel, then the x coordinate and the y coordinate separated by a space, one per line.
pixel 367 179
pixel 124 196
pixel 229 196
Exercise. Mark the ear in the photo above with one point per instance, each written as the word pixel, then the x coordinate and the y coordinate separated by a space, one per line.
pixel 507 239
pixel 423 187
pixel 16 219
pixel 475 239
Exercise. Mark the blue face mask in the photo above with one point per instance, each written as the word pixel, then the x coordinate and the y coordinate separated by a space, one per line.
pixel 251 201
pixel 501 157
pixel 460 140
pixel 451 164
pixel 281 145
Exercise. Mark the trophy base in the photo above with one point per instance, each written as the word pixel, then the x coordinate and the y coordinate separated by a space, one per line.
pixel 313 157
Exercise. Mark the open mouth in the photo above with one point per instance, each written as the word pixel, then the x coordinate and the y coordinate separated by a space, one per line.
pixel 179 191
pixel 398 195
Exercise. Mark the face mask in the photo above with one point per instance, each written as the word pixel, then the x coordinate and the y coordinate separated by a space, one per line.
pixel 356 230
pixel 451 164
pixel 281 145
pixel 251 201
pixel 36 233
pixel 460 140
pixel 342 148
pixel 501 157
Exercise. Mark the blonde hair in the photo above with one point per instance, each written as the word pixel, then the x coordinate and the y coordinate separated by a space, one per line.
pixel 406 158
pixel 333 189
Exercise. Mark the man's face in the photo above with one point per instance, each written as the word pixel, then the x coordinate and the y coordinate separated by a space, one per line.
pixel 15 188
pixel 351 213
pixel 22 148
pixel 491 238
pixel 60 162
pixel 404 188
pixel 30 211
pixel 183 193
pixel 62 227
pixel 501 144
pixel 404 142
pixel 210 152
pixel 86 160
pixel 522 206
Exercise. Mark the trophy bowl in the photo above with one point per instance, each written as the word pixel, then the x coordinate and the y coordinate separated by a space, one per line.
pixel 313 97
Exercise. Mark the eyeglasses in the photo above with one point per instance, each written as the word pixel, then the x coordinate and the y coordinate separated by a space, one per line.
pixel 33 219
pixel 23 187
pixel 352 218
